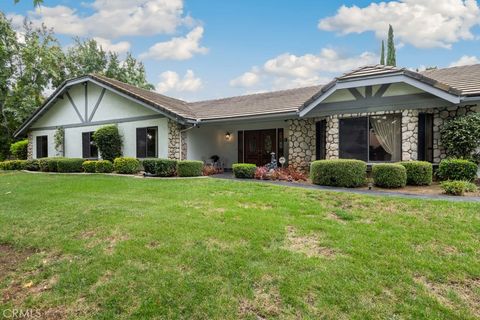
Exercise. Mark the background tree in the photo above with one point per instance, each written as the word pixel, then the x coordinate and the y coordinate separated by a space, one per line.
pixel 391 54
pixel 36 3
pixel 382 54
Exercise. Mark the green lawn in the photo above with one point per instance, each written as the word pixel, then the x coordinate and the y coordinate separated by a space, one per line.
pixel 103 247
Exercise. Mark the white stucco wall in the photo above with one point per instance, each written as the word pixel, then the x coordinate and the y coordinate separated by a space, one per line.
pixel 210 139
pixel 113 109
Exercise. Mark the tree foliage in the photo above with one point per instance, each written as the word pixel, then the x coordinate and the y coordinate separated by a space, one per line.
pixel 391 54
pixel 461 137
pixel 109 142
pixel 382 54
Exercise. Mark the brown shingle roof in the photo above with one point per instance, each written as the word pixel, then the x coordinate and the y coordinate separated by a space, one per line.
pixel 466 79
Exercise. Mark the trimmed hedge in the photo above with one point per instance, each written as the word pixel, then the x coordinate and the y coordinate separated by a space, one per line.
pixel 457 169
pixel 419 173
pixel 339 173
pixel 244 170
pixel 189 168
pixel 19 149
pixel 389 175
pixel 68 165
pixel 32 165
pixel 160 167
pixel 458 187
pixel 103 166
pixel 89 166
pixel 109 142
pixel 13 165
pixel 126 165
pixel 48 164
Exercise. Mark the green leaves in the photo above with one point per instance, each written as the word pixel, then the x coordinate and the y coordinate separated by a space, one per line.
pixel 461 137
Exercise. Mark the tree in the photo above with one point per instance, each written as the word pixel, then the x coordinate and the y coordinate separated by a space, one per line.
pixel 391 54
pixel 36 3
pixel 382 54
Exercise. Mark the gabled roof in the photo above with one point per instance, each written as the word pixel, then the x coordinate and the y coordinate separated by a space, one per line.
pixel 465 79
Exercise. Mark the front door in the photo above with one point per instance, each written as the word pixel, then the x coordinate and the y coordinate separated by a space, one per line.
pixel 259 144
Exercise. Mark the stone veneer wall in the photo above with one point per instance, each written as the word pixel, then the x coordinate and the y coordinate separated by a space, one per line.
pixel 174 140
pixel 301 143
pixel 409 135
pixel 30 146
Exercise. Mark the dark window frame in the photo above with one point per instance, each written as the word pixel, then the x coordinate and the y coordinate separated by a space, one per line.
pixel 90 151
pixel 143 148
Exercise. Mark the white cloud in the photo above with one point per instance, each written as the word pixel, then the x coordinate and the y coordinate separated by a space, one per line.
pixel 170 81
pixel 108 45
pixel 465 61
pixel 112 19
pixel 181 48
pixel 290 71
pixel 422 23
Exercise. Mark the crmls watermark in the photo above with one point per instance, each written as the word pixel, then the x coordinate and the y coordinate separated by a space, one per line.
pixel 21 314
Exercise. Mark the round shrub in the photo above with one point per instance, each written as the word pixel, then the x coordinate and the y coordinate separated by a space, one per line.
pixel 89 166
pixel 189 168
pixel 244 170
pixel 103 166
pixel 419 173
pixel 458 187
pixel 13 165
pixel 461 136
pixel 109 142
pixel 389 175
pixel 32 165
pixel 160 167
pixel 457 169
pixel 67 165
pixel 19 149
pixel 126 165
pixel 48 164
pixel 338 173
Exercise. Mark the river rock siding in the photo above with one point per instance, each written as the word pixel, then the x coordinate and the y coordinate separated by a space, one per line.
pixel 177 141
pixel 301 143
pixel 30 146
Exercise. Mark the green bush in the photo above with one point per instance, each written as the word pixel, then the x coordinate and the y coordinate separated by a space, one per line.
pixel 458 187
pixel 19 149
pixel 109 142
pixel 48 164
pixel 67 165
pixel 189 168
pixel 419 173
pixel 461 137
pixel 32 165
pixel 103 166
pixel 244 170
pixel 457 169
pixel 13 165
pixel 389 175
pixel 338 173
pixel 126 165
pixel 89 166
pixel 160 167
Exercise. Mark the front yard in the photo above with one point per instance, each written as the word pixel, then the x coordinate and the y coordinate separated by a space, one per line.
pixel 120 247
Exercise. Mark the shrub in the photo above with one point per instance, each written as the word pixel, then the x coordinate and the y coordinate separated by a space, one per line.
pixel 189 168
pixel 48 164
pixel 261 173
pixel 458 187
pixel 13 165
pixel 32 165
pixel 89 166
pixel 338 173
pixel 109 142
pixel 461 136
pixel 244 170
pixel 70 165
pixel 160 167
pixel 389 175
pixel 457 169
pixel 126 165
pixel 419 173
pixel 19 149
pixel 209 171
pixel 103 166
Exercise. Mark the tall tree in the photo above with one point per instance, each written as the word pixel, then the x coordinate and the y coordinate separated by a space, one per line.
pixel 382 54
pixel 36 3
pixel 391 54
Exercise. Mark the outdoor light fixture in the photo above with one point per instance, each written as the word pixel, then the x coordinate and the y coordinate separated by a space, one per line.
pixel 227 136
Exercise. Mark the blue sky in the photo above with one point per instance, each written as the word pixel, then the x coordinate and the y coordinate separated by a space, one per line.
pixel 199 49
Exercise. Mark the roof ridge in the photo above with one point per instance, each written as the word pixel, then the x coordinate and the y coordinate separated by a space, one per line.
pixel 449 68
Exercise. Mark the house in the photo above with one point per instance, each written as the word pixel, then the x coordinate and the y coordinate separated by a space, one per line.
pixel 375 113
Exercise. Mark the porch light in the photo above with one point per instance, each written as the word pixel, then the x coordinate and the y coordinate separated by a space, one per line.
pixel 227 136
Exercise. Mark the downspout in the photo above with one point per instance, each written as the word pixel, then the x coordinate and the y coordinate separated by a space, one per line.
pixel 180 138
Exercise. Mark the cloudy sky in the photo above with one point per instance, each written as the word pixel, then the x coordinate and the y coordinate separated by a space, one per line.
pixel 199 49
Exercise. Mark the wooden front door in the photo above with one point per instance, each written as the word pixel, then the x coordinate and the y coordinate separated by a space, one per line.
pixel 259 144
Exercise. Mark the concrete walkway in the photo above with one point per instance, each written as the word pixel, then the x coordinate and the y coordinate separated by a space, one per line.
pixel 229 176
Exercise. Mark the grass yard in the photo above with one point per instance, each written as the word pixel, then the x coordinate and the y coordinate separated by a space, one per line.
pixel 103 247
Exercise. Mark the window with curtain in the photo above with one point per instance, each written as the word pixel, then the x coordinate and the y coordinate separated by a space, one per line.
pixel 147 142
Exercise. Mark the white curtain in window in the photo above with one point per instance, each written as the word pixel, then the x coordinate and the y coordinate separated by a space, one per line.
pixel 387 130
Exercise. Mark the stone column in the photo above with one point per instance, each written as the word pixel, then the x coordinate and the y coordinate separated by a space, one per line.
pixel 173 140
pixel 409 135
pixel 30 146
pixel 332 144
pixel 301 143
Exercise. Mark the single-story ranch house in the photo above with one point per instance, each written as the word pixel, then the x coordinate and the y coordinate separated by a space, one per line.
pixel 375 113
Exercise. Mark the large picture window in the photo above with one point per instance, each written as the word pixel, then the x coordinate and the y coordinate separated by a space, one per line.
pixel 147 142
pixel 42 147
pixel 371 139
pixel 89 148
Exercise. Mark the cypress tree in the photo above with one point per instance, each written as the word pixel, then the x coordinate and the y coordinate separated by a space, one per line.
pixel 382 54
pixel 391 55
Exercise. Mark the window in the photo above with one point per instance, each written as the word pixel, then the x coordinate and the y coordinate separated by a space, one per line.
pixel 89 149
pixel 42 147
pixel 321 130
pixel 425 137
pixel 147 142
pixel 371 139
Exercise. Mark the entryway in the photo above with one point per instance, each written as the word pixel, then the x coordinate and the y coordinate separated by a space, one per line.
pixel 256 146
